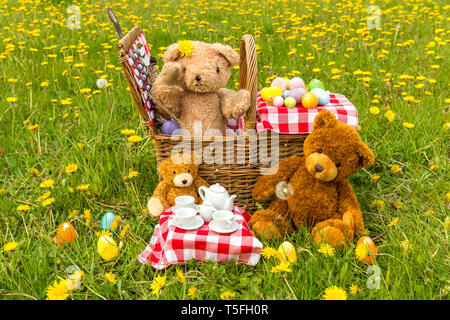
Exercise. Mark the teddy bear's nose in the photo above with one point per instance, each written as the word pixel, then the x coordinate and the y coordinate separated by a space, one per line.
pixel 198 78
pixel 318 168
pixel 184 181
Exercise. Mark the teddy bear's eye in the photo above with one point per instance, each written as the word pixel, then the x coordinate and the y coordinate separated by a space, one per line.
pixel 217 69
pixel 174 172
pixel 189 171
pixel 338 164
pixel 319 150
pixel 184 69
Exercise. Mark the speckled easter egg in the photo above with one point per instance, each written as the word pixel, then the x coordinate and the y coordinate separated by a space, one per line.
pixel 296 82
pixel 315 83
pixel 279 82
pixel 322 95
pixel 169 126
pixel 107 220
pixel 290 102
pixel 286 93
pixel 310 100
pixel 278 101
pixel 107 248
pixel 297 94
pixel 65 234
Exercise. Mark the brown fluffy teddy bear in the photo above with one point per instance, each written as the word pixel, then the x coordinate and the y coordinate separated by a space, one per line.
pixel 313 190
pixel 179 177
pixel 191 85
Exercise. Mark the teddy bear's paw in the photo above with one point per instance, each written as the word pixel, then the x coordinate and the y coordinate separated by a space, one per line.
pixel 241 103
pixel 170 72
pixel 330 235
pixel 155 207
pixel 266 230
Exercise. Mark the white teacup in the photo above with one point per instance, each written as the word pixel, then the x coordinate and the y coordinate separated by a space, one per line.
pixel 223 218
pixel 184 216
pixel 185 202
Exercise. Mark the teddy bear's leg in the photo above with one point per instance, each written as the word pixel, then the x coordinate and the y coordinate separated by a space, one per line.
pixel 157 206
pixel 333 231
pixel 165 93
pixel 272 222
pixel 234 104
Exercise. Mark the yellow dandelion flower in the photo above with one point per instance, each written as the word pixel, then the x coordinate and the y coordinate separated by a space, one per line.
pixel 434 167
pixel 395 168
pixel 132 174
pixel 47 183
pixel 124 231
pixel 185 47
pixel 374 110
pixel 180 276
pixel 375 178
pixel 58 291
pixel 110 277
pixel 282 267
pixel 192 292
pixel 48 202
pixel 73 214
pixel 71 168
pixel 3 191
pixel 87 216
pixel 33 127
pixel 326 249
pixel 11 99
pixel 85 90
pixel 227 295
pixel 393 222
pixel 134 139
pixel 44 196
pixel 408 125
pixel 128 132
pixel 428 212
pixel 23 207
pixel 406 246
pixel 354 289
pixel 116 221
pixel 269 252
pixel 377 204
pixel 157 284
pixel 35 172
pixel 10 246
pixel 83 187
pixel 390 115
pixel 398 204
pixel 334 293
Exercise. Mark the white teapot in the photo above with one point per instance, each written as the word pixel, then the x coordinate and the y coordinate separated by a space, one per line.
pixel 217 196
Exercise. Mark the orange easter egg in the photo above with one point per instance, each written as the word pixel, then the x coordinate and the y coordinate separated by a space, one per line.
pixel 366 250
pixel 65 234
pixel 310 100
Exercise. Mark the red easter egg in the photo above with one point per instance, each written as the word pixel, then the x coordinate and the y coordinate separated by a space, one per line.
pixel 65 234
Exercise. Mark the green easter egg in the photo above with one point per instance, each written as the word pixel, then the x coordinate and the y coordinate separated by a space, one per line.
pixel 315 83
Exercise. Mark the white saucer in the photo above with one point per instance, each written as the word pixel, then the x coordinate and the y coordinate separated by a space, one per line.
pixel 197 223
pixel 234 226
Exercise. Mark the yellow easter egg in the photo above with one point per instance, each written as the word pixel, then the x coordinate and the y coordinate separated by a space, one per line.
pixel 276 91
pixel 107 248
pixel 286 252
pixel 265 94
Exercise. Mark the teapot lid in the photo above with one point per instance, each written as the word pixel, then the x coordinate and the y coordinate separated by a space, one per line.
pixel 217 188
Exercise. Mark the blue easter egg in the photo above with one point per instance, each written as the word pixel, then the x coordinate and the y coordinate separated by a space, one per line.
pixel 286 93
pixel 322 95
pixel 107 220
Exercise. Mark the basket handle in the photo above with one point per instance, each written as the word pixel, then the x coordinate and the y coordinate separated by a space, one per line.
pixel 248 71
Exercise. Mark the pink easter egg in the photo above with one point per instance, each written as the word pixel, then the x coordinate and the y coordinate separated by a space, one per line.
pixel 297 94
pixel 279 82
pixel 278 101
pixel 296 82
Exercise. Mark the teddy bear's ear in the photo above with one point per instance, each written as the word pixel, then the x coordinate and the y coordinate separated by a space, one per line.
pixel 171 53
pixel 163 166
pixel 366 157
pixel 227 52
pixel 324 119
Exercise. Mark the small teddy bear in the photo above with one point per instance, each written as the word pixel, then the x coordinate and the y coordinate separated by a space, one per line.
pixel 313 190
pixel 191 86
pixel 179 177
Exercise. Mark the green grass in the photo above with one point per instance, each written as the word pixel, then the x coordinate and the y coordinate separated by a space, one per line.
pixel 106 156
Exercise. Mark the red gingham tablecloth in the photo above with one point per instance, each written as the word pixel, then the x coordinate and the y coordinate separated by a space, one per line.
pixel 299 120
pixel 170 244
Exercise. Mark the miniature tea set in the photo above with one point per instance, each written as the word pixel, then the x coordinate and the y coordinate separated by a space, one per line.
pixel 216 209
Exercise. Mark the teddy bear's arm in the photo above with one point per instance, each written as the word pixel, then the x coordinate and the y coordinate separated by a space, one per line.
pixel 264 189
pixel 234 104
pixel 158 203
pixel 348 207
pixel 165 92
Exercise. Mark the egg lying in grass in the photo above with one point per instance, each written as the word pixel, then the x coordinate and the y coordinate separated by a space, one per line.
pixel 66 233
pixel 366 250
pixel 287 253
pixel 322 95
pixel 107 248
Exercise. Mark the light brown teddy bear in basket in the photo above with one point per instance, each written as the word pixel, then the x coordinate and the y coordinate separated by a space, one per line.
pixel 191 85
pixel 179 178
pixel 313 190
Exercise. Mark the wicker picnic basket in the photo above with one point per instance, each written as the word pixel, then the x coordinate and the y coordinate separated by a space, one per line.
pixel 240 176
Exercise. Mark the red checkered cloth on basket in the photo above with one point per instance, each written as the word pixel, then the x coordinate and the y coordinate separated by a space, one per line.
pixel 170 244
pixel 299 120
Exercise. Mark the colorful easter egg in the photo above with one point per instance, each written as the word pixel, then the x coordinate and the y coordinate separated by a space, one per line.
pixel 310 100
pixel 280 83
pixel 366 250
pixel 322 95
pixel 297 94
pixel 66 233
pixel 169 126
pixel 290 102
pixel 286 93
pixel 287 253
pixel 315 83
pixel 107 220
pixel 107 248
pixel 276 91
pixel 278 101
pixel 296 82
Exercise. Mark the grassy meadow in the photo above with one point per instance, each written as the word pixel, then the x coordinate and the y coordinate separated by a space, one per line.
pixel 64 157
